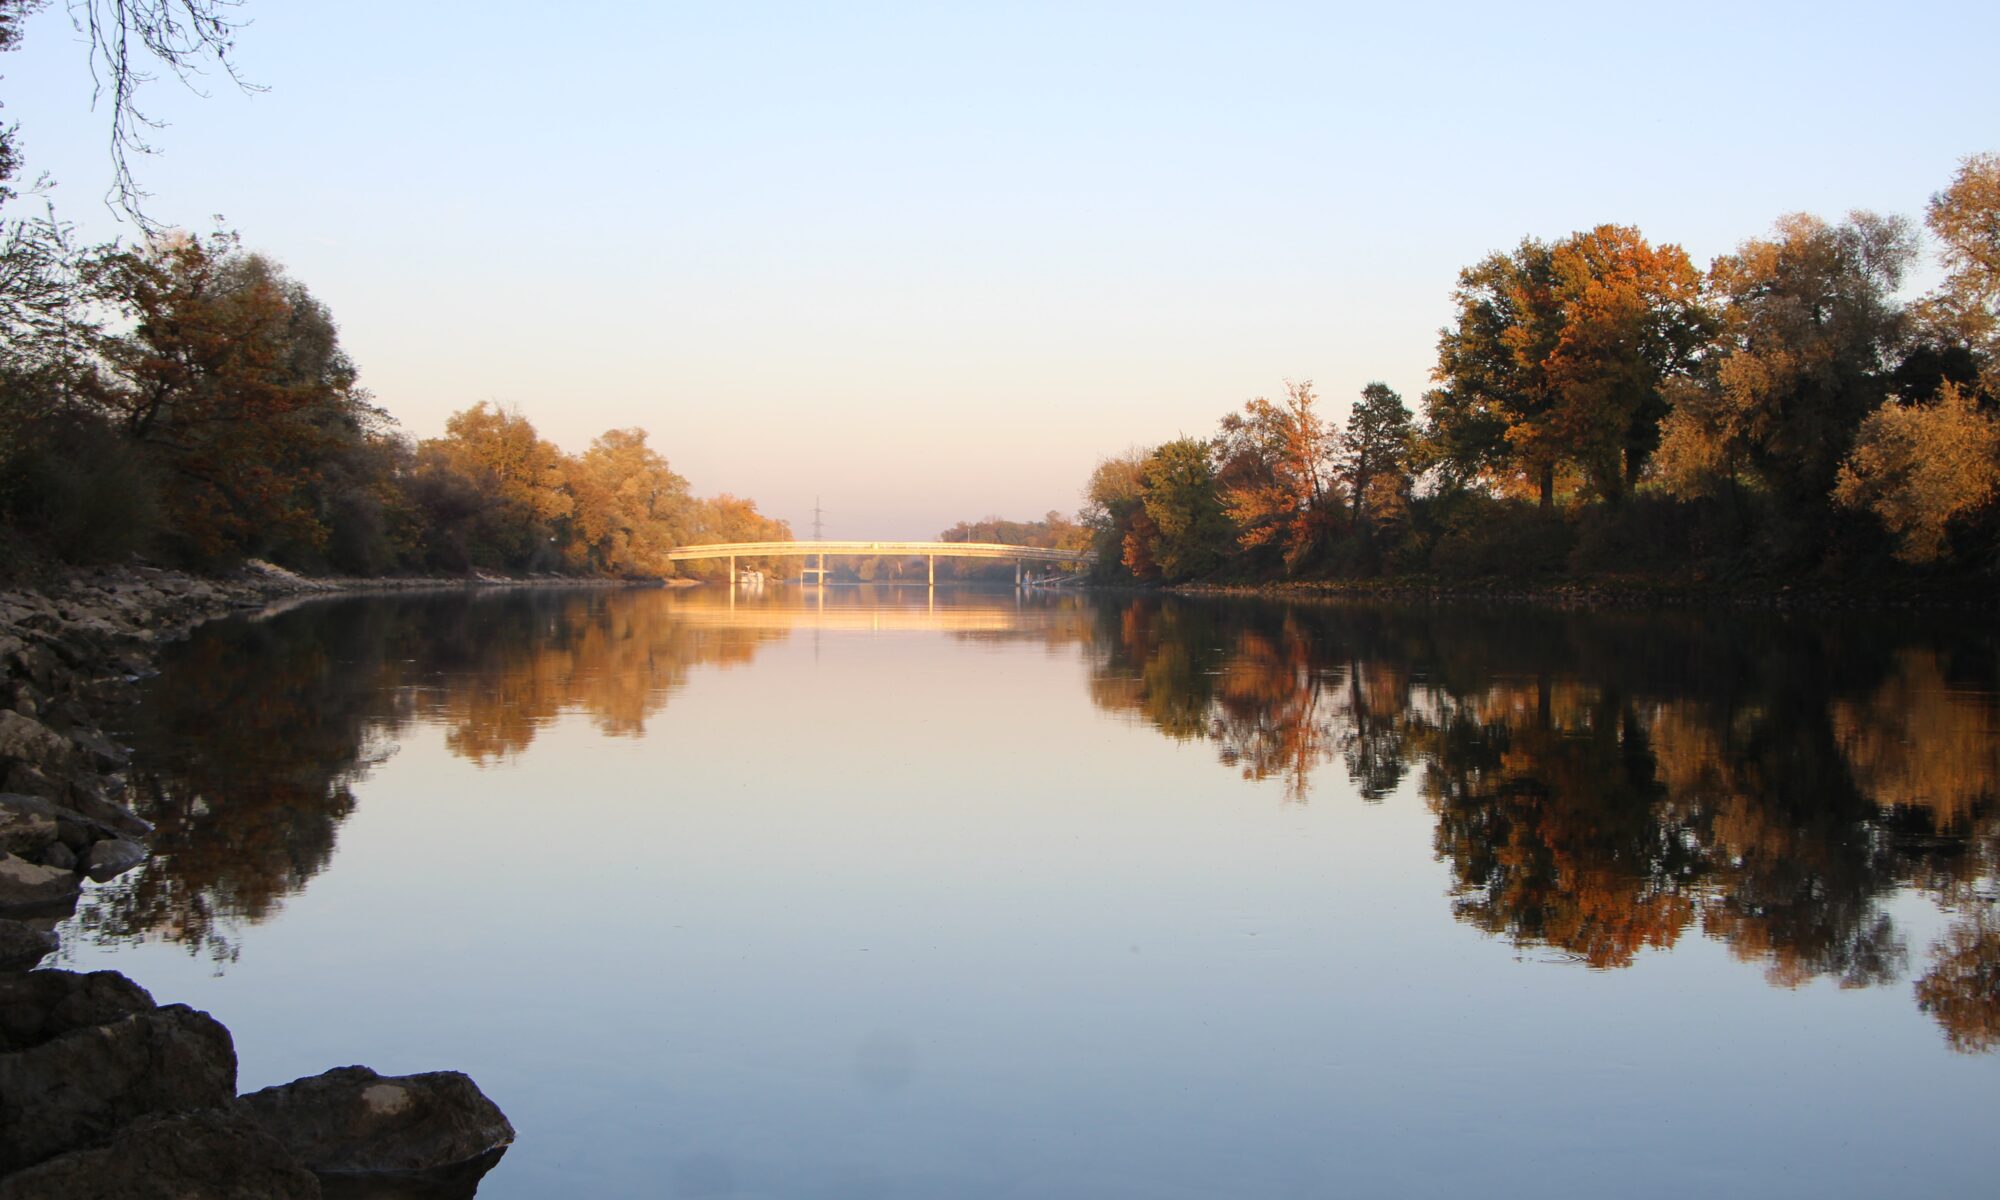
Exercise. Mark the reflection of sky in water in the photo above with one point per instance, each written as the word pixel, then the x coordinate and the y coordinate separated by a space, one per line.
pixel 906 911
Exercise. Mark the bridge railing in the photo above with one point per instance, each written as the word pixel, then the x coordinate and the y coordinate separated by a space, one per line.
pixel 883 549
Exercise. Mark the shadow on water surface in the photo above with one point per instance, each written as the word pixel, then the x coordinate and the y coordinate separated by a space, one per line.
pixel 1601 783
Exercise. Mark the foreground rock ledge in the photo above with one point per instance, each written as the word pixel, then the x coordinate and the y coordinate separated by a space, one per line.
pixel 214 1155
pixel 352 1121
pixel 104 1094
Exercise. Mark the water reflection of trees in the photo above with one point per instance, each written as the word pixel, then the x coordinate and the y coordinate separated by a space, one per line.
pixel 1605 783
pixel 1600 783
pixel 253 735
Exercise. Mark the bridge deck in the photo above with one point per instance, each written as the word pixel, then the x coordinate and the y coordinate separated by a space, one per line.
pixel 884 549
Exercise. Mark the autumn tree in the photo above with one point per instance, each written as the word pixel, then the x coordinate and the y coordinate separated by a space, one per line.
pixel 1114 504
pixel 1965 218
pixel 493 490
pixel 629 507
pixel 232 377
pixel 1918 466
pixel 727 518
pixel 1632 322
pixel 1491 408
pixel 1809 321
pixel 1374 456
pixel 1273 474
pixel 1561 353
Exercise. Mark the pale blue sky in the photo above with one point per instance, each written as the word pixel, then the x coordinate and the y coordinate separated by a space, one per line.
pixel 931 262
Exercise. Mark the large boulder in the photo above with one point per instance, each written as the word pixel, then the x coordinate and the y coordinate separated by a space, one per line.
pixel 75 1090
pixel 40 1006
pixel 352 1121
pixel 74 828
pixel 27 824
pixel 34 887
pixel 112 857
pixel 91 804
pixel 213 1155
pixel 102 753
pixel 22 945
pixel 27 740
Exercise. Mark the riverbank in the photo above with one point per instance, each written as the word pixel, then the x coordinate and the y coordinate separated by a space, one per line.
pixel 102 1090
pixel 67 647
pixel 1618 593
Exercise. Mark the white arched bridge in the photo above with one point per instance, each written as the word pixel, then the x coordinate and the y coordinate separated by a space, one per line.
pixel 929 551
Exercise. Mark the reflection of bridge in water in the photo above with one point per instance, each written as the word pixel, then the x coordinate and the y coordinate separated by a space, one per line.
pixel 929 551
pixel 853 620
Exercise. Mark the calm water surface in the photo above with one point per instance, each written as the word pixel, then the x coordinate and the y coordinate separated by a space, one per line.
pixel 880 893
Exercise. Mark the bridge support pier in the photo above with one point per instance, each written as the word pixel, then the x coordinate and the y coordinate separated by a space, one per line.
pixel 732 571
pixel 1017 574
pixel 933 570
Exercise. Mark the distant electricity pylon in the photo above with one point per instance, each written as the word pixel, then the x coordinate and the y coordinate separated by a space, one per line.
pixel 818 525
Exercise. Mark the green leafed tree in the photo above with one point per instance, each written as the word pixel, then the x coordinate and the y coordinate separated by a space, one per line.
pixel 1374 458
pixel 1190 531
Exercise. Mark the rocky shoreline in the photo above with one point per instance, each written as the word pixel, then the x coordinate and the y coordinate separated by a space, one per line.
pixel 104 1092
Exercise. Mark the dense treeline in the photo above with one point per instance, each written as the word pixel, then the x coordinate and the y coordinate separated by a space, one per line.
pixel 1602 407
pixel 188 401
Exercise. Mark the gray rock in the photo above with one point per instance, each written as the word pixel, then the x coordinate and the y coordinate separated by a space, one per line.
pixel 27 740
pixel 73 829
pixel 352 1121
pixel 214 1155
pixel 22 946
pixel 76 1090
pixel 39 1006
pixel 26 886
pixel 24 778
pixel 26 824
pixel 74 832
pixel 55 854
pixel 111 858
pixel 450 1183
pixel 90 803
pixel 103 753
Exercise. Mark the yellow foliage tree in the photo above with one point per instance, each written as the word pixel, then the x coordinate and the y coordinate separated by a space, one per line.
pixel 1918 466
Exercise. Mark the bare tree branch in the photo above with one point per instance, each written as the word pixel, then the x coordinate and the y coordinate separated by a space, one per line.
pixel 184 35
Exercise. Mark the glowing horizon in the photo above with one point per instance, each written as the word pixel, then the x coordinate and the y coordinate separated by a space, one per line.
pixel 931 267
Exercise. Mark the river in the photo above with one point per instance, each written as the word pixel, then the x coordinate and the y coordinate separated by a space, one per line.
pixel 873 892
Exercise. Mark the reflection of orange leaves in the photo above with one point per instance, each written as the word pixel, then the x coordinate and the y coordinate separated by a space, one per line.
pixel 1918 742
pixel 617 663
pixel 1962 988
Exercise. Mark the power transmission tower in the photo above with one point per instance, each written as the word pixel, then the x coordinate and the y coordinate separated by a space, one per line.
pixel 819 530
